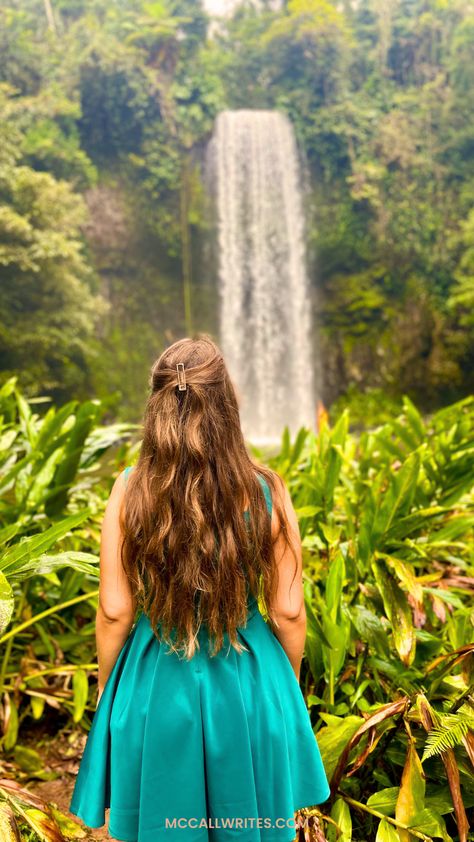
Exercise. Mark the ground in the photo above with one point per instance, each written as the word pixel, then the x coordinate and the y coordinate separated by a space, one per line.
pixel 60 754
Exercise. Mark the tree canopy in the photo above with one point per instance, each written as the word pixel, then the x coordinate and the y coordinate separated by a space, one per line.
pixel 107 108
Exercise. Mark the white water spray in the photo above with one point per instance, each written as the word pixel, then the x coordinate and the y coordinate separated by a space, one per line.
pixel 265 305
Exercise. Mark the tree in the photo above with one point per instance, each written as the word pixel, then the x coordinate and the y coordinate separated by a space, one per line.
pixel 48 309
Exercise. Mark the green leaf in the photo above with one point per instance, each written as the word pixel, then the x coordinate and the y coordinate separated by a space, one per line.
pixel 386 832
pixel 399 495
pixel 6 603
pixel 85 418
pixel 338 634
pixel 333 739
pixel 47 564
pixel 26 418
pixel 370 628
pixel 415 420
pixel 398 612
pixel 331 532
pixel 9 532
pixel 411 798
pixel 68 827
pixel 11 733
pixel 314 627
pixel 431 823
pixel 307 511
pixel 341 814
pixel 414 522
pixel 28 759
pixel 21 554
pixel 457 525
pixel 80 685
pixel 37 706
pixel 285 443
pixel 334 585
pixel 385 800
pixel 298 445
pixel 440 800
pixel 43 825
pixel 51 428
pixel 43 479
pixel 405 575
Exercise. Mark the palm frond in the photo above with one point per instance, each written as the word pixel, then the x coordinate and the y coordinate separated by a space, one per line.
pixel 448 734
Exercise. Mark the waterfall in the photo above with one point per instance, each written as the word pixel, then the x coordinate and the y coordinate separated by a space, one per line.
pixel 264 296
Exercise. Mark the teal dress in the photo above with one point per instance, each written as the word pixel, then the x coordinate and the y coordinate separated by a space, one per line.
pixel 208 749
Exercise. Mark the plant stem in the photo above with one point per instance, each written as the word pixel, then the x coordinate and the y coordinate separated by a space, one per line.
pixel 359 806
pixel 50 15
pixel 59 670
pixel 8 649
pixel 459 702
pixel 47 613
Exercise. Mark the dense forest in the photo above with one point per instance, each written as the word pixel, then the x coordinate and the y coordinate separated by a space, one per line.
pixel 106 110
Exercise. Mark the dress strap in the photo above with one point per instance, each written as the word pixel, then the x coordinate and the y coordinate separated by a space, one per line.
pixel 126 473
pixel 267 492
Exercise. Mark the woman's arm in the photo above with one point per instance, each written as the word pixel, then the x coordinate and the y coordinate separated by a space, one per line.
pixel 288 608
pixel 116 610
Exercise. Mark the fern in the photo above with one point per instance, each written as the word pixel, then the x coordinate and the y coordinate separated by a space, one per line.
pixel 449 733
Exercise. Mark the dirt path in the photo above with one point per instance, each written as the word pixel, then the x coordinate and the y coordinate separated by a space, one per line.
pixel 60 755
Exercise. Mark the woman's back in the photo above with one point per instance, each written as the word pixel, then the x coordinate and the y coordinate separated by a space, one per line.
pixel 225 737
pixel 267 495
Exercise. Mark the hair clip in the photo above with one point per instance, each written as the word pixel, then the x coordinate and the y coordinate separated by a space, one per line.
pixel 181 376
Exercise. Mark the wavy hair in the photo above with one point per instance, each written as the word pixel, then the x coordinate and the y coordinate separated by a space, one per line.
pixel 190 555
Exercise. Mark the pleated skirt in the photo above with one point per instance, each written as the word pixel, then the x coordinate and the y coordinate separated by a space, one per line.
pixel 213 748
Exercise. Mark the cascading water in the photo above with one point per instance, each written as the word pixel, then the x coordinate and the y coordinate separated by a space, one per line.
pixel 265 306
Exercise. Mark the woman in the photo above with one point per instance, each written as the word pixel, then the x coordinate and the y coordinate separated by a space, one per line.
pixel 201 728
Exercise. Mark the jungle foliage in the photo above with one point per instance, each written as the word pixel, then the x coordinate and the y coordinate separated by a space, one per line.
pixel 387 523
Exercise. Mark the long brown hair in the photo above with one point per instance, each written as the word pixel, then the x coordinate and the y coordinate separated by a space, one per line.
pixel 191 557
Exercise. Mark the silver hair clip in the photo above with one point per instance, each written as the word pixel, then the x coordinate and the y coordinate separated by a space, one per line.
pixel 181 377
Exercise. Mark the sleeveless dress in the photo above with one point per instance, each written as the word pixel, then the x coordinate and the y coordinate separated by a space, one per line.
pixel 209 749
